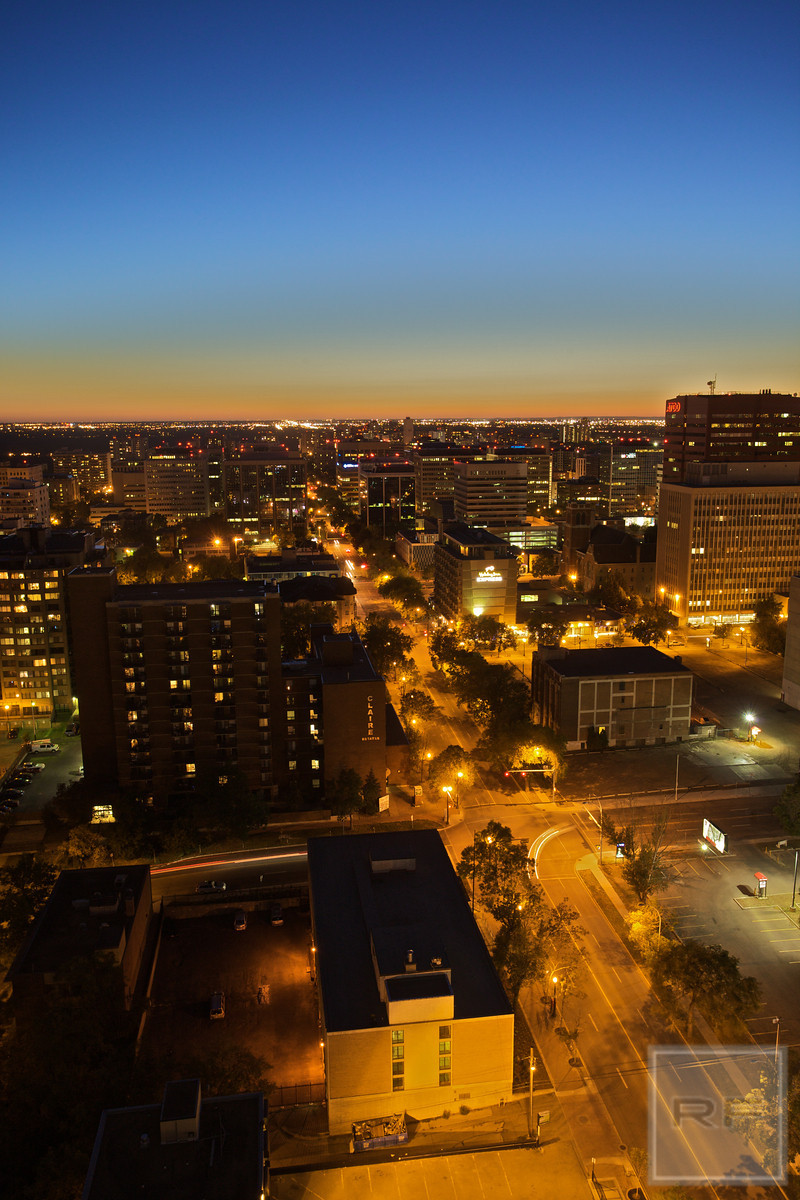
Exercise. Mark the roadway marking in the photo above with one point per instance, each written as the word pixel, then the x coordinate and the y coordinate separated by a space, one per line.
pixel 591 1018
pixel 622 1077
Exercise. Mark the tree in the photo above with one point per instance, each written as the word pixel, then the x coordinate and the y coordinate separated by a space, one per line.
pixel 545 563
pixel 502 879
pixel 385 644
pixel 296 622
pixel 370 793
pixel 405 592
pixel 346 795
pixel 787 810
pixel 651 623
pixel 722 630
pixel 25 886
pixel 519 745
pixel 609 592
pixel 768 628
pixel 83 847
pixel 646 926
pixel 646 871
pixel 548 625
pixel 452 767
pixel 418 705
pixel 706 978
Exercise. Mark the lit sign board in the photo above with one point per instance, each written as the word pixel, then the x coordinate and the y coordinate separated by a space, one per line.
pixel 715 837
pixel 371 734
pixel 674 406
pixel 489 575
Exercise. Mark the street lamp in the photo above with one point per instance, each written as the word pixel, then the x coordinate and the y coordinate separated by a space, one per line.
pixel 776 1021
pixel 460 775
pixel 447 790
pixel 554 981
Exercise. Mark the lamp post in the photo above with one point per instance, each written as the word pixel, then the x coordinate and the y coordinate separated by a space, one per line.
pixel 460 775
pixel 554 981
pixel 447 790
pixel 532 1070
pixel 776 1021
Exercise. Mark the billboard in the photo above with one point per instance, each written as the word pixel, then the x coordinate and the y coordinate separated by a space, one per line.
pixel 715 837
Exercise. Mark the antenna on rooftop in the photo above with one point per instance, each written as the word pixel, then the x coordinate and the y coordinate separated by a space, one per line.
pixel 712 383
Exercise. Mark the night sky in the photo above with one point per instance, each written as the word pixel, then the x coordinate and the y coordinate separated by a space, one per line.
pixel 295 209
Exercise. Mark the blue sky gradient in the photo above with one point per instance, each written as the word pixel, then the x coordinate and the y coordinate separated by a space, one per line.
pixel 461 208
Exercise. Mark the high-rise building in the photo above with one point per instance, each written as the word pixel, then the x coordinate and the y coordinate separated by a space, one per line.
pixel 491 491
pixel 91 468
pixel 24 499
pixel 386 494
pixel 737 427
pixel 435 472
pixel 179 685
pixel 36 676
pixel 729 505
pixel 176 484
pixel 267 492
pixel 629 472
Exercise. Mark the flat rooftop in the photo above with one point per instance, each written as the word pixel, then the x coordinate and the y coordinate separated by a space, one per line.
pixel 180 593
pixel 427 906
pixel 86 912
pixel 223 1163
pixel 627 660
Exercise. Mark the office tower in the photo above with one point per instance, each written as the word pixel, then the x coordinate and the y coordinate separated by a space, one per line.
pixel 91 468
pixel 629 472
pixel 36 676
pixel 408 431
pixel 266 492
pixel 737 427
pixel 179 685
pixel 130 489
pixel 491 491
pixel 24 499
pixel 475 572
pixel 729 515
pixel 386 494
pixel 728 536
pixel 323 454
pixel 176 485
pixel 435 471
pixel 349 453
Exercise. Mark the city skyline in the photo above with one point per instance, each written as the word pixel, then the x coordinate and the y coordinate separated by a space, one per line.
pixel 251 212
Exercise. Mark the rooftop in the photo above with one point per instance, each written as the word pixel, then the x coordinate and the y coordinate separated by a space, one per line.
pixel 88 910
pixel 180 593
pixel 224 1162
pixel 339 657
pixel 626 660
pixel 400 892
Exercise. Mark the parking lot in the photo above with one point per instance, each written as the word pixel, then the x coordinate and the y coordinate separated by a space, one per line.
pixel 63 767
pixel 205 954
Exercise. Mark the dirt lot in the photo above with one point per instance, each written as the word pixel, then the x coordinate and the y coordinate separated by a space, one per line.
pixel 202 955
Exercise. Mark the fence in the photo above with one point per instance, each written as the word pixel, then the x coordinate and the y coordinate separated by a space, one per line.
pixel 297 1093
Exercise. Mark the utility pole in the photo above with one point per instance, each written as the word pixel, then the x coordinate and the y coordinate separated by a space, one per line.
pixel 532 1068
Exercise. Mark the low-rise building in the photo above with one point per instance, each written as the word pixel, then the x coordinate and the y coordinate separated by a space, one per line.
pixel 616 550
pixel 91 912
pixel 631 696
pixel 414 1017
pixel 185 1147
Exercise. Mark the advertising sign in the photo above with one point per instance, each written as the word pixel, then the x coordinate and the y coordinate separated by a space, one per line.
pixel 715 837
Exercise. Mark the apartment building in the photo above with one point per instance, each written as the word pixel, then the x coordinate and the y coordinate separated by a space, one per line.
pixel 176 485
pixel 36 672
pixel 491 492
pixel 178 684
pixel 266 492
pixel 24 499
pixel 91 469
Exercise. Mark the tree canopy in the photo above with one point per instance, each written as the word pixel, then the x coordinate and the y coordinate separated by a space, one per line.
pixel 385 644
pixel 706 978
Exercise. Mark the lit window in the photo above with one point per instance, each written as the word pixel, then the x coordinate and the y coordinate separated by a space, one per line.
pixel 292 764
pixel 315 764
pixel 190 768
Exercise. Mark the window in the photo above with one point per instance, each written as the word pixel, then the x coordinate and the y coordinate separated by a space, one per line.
pixel 315 764
pixel 444 1079
pixel 292 764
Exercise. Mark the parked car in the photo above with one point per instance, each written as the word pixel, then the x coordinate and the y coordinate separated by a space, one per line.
pixel 276 914
pixel 7 806
pixel 36 767
pixel 240 921
pixel 217 1009
pixel 11 793
pixel 211 885
pixel 20 779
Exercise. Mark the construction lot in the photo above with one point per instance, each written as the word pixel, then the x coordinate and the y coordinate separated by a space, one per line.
pixel 203 955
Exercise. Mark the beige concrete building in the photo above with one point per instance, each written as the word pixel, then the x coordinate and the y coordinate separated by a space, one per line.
pixel 632 696
pixel 474 572
pixel 728 537
pixel 414 1018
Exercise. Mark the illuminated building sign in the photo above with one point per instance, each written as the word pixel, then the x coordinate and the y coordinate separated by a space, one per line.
pixel 715 837
pixel 371 734
pixel 489 574
pixel 674 406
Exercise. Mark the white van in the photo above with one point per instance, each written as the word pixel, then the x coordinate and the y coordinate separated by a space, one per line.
pixel 44 746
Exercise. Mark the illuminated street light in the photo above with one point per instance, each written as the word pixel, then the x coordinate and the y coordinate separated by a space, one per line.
pixel 447 790
pixel 554 981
